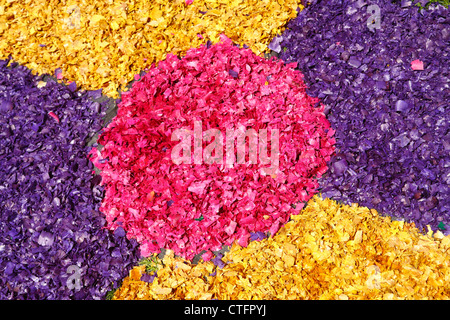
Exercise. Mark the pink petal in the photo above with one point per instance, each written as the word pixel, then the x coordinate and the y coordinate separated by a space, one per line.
pixel 247 220
pixel 207 256
pixel 274 228
pixel 243 240
pixel 417 65
pixel 53 115
pixel 231 227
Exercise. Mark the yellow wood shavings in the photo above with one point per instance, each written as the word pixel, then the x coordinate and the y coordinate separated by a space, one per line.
pixel 328 251
pixel 103 44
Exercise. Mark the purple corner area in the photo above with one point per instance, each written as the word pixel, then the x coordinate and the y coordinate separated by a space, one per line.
pixel 53 245
pixel 392 122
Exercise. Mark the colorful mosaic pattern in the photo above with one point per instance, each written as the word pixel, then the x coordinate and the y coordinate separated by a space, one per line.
pixel 362 212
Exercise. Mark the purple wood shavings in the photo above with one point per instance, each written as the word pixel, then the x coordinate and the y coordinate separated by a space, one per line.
pixel 392 121
pixel 257 236
pixel 52 243
pixel 149 277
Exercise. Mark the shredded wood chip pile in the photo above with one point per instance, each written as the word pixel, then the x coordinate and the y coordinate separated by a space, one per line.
pixel 328 251
pixel 165 200
pixel 103 44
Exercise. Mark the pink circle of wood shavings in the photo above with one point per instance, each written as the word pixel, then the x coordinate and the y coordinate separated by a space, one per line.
pixel 189 208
